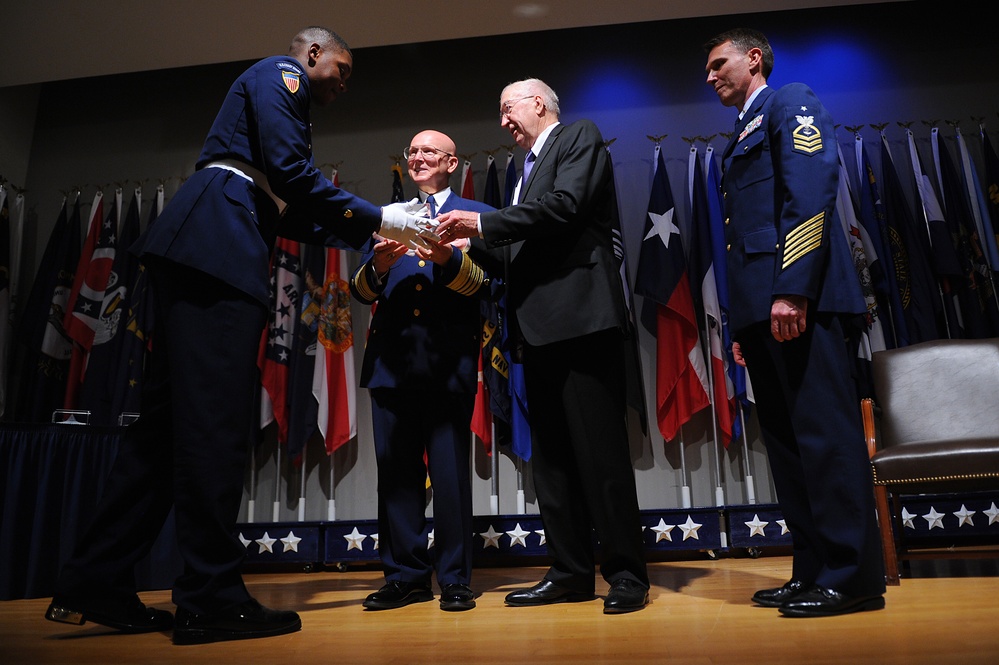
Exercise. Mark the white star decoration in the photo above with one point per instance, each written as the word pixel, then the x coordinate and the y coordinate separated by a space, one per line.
pixel 783 527
pixel 756 527
pixel 907 518
pixel 690 528
pixel 491 537
pixel 430 539
pixel 265 543
pixel 541 532
pixel 993 513
pixel 354 539
pixel 662 226
pixel 518 536
pixel 374 537
pixel 242 539
pixel 663 530
pixel 964 516
pixel 934 519
pixel 291 542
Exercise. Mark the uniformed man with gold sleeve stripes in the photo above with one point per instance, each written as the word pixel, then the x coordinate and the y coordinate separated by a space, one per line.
pixel 422 348
pixel 794 297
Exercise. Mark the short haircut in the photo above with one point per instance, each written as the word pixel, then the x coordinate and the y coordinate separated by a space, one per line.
pixel 745 39
pixel 543 90
pixel 325 37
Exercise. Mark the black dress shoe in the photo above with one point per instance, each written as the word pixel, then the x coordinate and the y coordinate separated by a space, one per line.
pixel 457 597
pixel 546 592
pixel 821 602
pixel 128 616
pixel 245 621
pixel 397 594
pixel 625 596
pixel 777 597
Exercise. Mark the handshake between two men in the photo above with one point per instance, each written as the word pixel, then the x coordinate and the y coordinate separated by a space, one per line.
pixel 409 223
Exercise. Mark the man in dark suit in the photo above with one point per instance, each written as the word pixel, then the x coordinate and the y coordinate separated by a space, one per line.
pixel 795 300
pixel 208 257
pixel 422 349
pixel 569 316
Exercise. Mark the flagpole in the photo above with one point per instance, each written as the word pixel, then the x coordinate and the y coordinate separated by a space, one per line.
pixel 331 502
pixel 276 505
pixel 685 488
pixel 746 460
pixel 521 502
pixel 301 489
pixel 494 468
pixel 251 504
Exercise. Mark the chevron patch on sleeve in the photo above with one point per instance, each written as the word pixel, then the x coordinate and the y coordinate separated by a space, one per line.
pixel 804 238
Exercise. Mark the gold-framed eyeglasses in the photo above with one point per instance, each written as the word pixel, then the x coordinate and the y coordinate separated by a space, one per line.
pixel 425 151
pixel 508 105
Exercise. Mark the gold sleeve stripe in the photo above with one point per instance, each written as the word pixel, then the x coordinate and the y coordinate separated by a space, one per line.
pixel 362 284
pixel 470 277
pixel 802 240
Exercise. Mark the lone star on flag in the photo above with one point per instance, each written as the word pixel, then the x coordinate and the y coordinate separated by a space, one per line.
pixel 662 226
pixel 518 535
pixel 265 543
pixel 354 539
pixel 663 530
pixel 491 537
pixel 690 528
pixel 291 542
pixel 756 527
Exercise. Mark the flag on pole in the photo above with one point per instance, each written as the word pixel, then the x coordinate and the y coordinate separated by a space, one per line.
pixel 41 333
pixel 668 311
pixel 397 193
pixel 276 344
pixel 510 182
pixel 86 299
pixel 491 196
pixel 106 351
pixel 979 206
pixel 467 181
pixel 704 291
pixel 918 292
pixel 5 320
pixel 334 379
pixel 991 185
pixel 975 289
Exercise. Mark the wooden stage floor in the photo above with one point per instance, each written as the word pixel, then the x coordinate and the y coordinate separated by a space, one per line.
pixel 700 615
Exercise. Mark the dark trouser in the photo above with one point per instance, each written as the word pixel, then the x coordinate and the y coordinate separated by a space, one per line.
pixel 581 460
pixel 407 423
pixel 187 451
pixel 810 419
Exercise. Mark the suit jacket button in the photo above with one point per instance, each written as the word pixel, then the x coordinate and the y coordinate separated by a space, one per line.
pixel 348 213
pixel 423 263
pixel 728 248
pixel 727 220
pixel 416 312
pixel 419 287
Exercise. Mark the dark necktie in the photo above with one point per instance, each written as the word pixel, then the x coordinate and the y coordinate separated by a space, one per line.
pixel 432 203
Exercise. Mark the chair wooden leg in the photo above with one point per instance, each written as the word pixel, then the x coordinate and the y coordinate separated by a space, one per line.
pixel 887 538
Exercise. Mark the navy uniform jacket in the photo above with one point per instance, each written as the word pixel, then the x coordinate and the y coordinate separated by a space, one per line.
pixel 425 330
pixel 223 224
pixel 564 281
pixel 781 229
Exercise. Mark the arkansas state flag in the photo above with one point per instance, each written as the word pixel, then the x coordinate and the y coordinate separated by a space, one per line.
pixel 668 311
pixel 276 343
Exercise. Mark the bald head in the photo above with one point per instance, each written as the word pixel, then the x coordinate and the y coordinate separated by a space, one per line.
pixel 432 159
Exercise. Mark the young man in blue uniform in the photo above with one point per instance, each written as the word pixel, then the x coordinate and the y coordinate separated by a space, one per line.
pixel 208 259
pixel 423 347
pixel 794 299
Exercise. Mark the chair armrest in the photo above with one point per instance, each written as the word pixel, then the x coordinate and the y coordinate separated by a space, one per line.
pixel 867 411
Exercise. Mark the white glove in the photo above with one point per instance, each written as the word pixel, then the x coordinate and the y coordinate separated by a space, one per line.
pixel 399 225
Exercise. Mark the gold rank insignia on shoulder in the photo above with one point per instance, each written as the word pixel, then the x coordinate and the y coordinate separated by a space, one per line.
pixel 806 137
pixel 803 239
pixel 291 81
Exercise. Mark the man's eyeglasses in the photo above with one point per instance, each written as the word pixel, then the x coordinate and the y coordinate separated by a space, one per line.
pixel 508 105
pixel 425 151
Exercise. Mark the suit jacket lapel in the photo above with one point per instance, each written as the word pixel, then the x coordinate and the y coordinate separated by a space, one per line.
pixel 545 149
